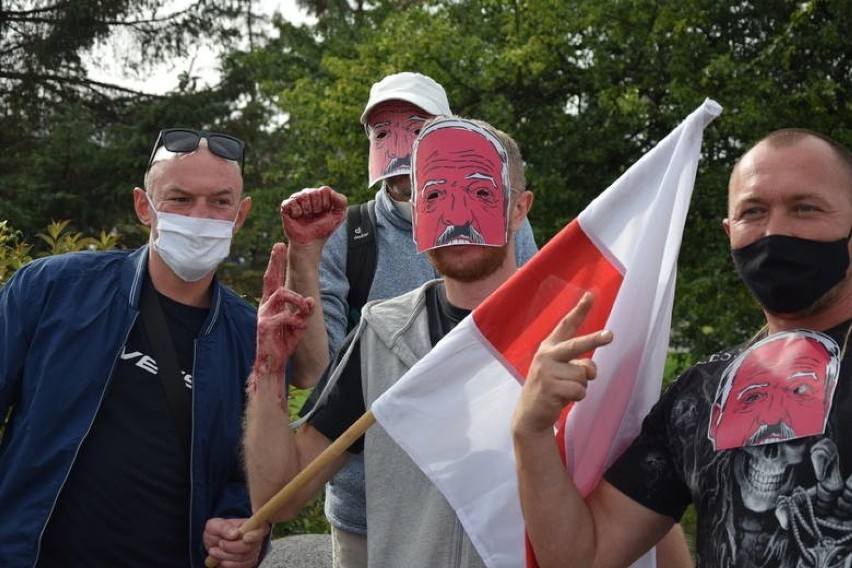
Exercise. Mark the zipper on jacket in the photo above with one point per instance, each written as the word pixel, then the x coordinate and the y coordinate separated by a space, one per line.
pixel 459 541
pixel 191 454
pixel 82 440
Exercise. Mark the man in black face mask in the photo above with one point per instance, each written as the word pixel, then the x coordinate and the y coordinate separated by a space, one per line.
pixel 788 225
pixel 761 500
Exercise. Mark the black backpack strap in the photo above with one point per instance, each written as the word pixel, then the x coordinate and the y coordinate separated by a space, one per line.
pixel 361 256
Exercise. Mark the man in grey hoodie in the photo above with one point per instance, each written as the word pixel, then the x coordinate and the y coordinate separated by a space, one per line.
pixel 398 106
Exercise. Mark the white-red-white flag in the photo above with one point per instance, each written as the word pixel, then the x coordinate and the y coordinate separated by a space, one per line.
pixel 452 411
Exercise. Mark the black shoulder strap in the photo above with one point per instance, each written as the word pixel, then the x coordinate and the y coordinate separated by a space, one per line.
pixel 167 366
pixel 361 256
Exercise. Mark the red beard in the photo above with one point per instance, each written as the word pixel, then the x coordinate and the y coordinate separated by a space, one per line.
pixel 455 262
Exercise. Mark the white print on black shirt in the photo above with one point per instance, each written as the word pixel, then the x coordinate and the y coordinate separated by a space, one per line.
pixel 149 364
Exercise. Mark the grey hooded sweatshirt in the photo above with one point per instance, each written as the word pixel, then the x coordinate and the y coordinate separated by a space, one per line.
pixel 411 523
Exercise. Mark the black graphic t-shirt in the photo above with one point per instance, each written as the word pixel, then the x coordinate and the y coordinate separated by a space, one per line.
pixel 126 500
pixel 765 503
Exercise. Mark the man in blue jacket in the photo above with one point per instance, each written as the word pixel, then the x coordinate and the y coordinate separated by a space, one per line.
pixel 124 372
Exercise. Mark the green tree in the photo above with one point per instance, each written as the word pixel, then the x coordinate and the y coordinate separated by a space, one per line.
pixel 586 88
pixel 77 146
pixel 43 42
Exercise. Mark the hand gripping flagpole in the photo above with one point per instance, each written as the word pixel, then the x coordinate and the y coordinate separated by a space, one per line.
pixel 263 515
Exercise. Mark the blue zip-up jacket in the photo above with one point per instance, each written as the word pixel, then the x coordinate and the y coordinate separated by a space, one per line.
pixel 63 322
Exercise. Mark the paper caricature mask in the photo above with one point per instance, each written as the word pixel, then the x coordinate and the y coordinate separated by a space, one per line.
pixel 461 187
pixel 781 388
pixel 392 127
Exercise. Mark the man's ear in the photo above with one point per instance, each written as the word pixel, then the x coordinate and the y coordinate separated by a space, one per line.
pixel 142 206
pixel 520 210
pixel 245 207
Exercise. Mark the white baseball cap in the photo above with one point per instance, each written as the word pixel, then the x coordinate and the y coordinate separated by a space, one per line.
pixel 419 90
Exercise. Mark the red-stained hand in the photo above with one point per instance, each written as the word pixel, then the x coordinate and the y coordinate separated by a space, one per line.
pixel 557 375
pixel 281 319
pixel 312 214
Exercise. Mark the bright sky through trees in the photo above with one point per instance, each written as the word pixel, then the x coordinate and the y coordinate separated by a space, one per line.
pixel 104 64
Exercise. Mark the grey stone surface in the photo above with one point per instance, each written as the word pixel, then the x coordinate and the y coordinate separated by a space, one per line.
pixel 299 551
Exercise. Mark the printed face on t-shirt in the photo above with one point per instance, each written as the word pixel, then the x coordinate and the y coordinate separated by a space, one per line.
pixel 781 390
pixel 460 197
pixel 392 127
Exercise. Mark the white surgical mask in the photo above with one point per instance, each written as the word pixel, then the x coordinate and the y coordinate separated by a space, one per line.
pixel 192 246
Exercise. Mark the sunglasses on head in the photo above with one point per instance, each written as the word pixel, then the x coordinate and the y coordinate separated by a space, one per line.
pixel 186 140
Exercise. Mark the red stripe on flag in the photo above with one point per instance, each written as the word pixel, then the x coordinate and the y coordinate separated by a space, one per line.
pixel 543 291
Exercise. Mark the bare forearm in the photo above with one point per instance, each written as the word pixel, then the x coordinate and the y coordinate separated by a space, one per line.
pixel 604 529
pixel 269 446
pixel 275 456
pixel 673 550
pixel 559 523
pixel 311 356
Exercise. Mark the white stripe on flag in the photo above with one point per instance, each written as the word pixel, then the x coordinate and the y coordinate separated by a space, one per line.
pixel 466 415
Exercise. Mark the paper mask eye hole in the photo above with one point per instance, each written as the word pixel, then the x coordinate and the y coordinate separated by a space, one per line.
pixel 432 197
pixel 483 194
pixel 802 391
pixel 753 398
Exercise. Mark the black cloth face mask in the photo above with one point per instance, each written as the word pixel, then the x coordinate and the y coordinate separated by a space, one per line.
pixel 788 274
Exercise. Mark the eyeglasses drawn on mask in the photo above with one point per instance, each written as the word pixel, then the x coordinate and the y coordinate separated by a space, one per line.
pixel 182 140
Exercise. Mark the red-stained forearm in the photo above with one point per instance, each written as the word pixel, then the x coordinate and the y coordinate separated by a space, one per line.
pixel 311 357
pixel 308 218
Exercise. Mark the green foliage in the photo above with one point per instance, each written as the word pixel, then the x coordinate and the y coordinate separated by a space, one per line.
pixel 5 421
pixel 14 252
pixel 59 240
pixel 676 363
pixel 71 144
pixel 586 88
pixel 311 520
pixel 688 523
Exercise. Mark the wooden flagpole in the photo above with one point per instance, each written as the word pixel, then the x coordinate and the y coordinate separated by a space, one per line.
pixel 336 449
